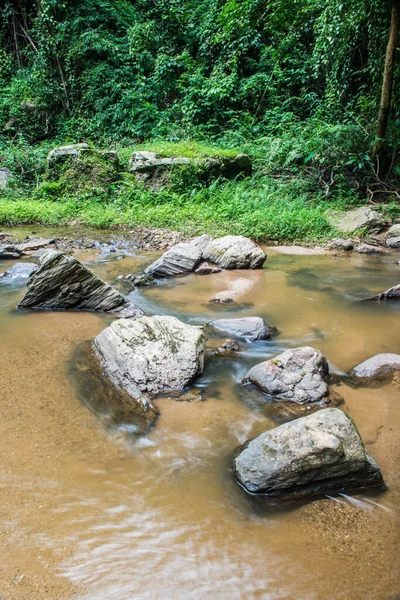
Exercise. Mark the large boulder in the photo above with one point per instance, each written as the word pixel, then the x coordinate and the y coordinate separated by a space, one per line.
pixel 18 272
pixel 377 367
pixel 235 252
pixel 151 355
pixel 251 328
pixel 178 260
pixel 63 283
pixel 363 217
pixel 296 375
pixel 315 455
pixel 393 236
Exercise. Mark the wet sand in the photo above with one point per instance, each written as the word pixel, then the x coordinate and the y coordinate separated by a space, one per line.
pixel 91 514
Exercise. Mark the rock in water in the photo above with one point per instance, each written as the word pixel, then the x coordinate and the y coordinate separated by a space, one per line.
pixel 311 456
pixel 392 293
pixel 63 283
pixel 377 367
pixel 296 375
pixel 235 252
pixel 251 328
pixel 19 271
pixel 9 252
pixel 228 348
pixel 341 244
pixel 151 355
pixel 180 259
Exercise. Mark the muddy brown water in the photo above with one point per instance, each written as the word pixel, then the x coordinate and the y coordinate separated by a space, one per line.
pixel 94 513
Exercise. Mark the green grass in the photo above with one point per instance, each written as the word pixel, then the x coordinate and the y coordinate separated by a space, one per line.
pixel 259 208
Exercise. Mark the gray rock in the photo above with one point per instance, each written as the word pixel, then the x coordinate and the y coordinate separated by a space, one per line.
pixel 5 174
pixel 151 355
pixel 34 244
pixel 202 241
pixel 377 367
pixel 63 283
pixel 206 269
pixel 363 217
pixel 18 271
pixel 235 252
pixel 393 242
pixel 140 280
pixel 369 249
pixel 178 260
pixel 341 244
pixel 63 152
pixel 9 251
pixel 311 456
pixel 392 293
pixel 251 328
pixel 296 375
pixel 393 231
pixel 228 348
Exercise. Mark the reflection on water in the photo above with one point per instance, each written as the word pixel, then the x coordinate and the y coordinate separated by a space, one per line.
pixel 159 516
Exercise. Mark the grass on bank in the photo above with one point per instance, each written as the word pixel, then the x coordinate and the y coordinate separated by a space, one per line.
pixel 261 209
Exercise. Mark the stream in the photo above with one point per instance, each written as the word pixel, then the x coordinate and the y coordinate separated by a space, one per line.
pixel 90 512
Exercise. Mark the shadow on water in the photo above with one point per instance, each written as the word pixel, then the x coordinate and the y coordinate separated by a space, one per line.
pixel 112 405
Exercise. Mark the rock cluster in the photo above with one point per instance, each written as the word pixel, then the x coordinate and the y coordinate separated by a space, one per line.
pixel 229 252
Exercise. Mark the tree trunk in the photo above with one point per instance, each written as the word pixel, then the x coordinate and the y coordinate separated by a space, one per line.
pixel 387 85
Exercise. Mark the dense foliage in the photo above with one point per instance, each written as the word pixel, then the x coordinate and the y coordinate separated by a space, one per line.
pixel 296 82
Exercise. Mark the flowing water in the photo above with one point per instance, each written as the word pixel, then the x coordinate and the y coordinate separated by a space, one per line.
pixel 92 513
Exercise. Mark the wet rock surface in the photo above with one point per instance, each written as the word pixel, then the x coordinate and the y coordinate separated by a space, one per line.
pixel 369 249
pixel 228 348
pixel 392 293
pixel 178 260
pixel 377 367
pixel 296 375
pixel 235 252
pixel 9 252
pixel 63 283
pixel 251 328
pixel 19 271
pixel 151 355
pixel 34 244
pixel 311 456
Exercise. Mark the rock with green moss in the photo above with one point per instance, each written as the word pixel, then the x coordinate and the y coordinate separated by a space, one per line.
pixel 296 375
pixel 363 217
pixel 80 167
pixel 151 355
pixel 156 170
pixel 315 455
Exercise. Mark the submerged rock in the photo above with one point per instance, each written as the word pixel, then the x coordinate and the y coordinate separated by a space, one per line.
pixel 151 355
pixel 377 367
pixel 63 283
pixel 363 217
pixel 235 252
pixel 238 288
pixel 296 375
pixel 251 328
pixel 315 455
pixel 228 348
pixel 206 269
pixel 178 260
pixel 20 271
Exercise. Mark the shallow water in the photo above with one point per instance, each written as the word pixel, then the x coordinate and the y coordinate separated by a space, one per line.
pixel 93 513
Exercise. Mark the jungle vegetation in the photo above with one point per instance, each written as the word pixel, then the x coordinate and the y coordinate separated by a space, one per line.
pixel 309 88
